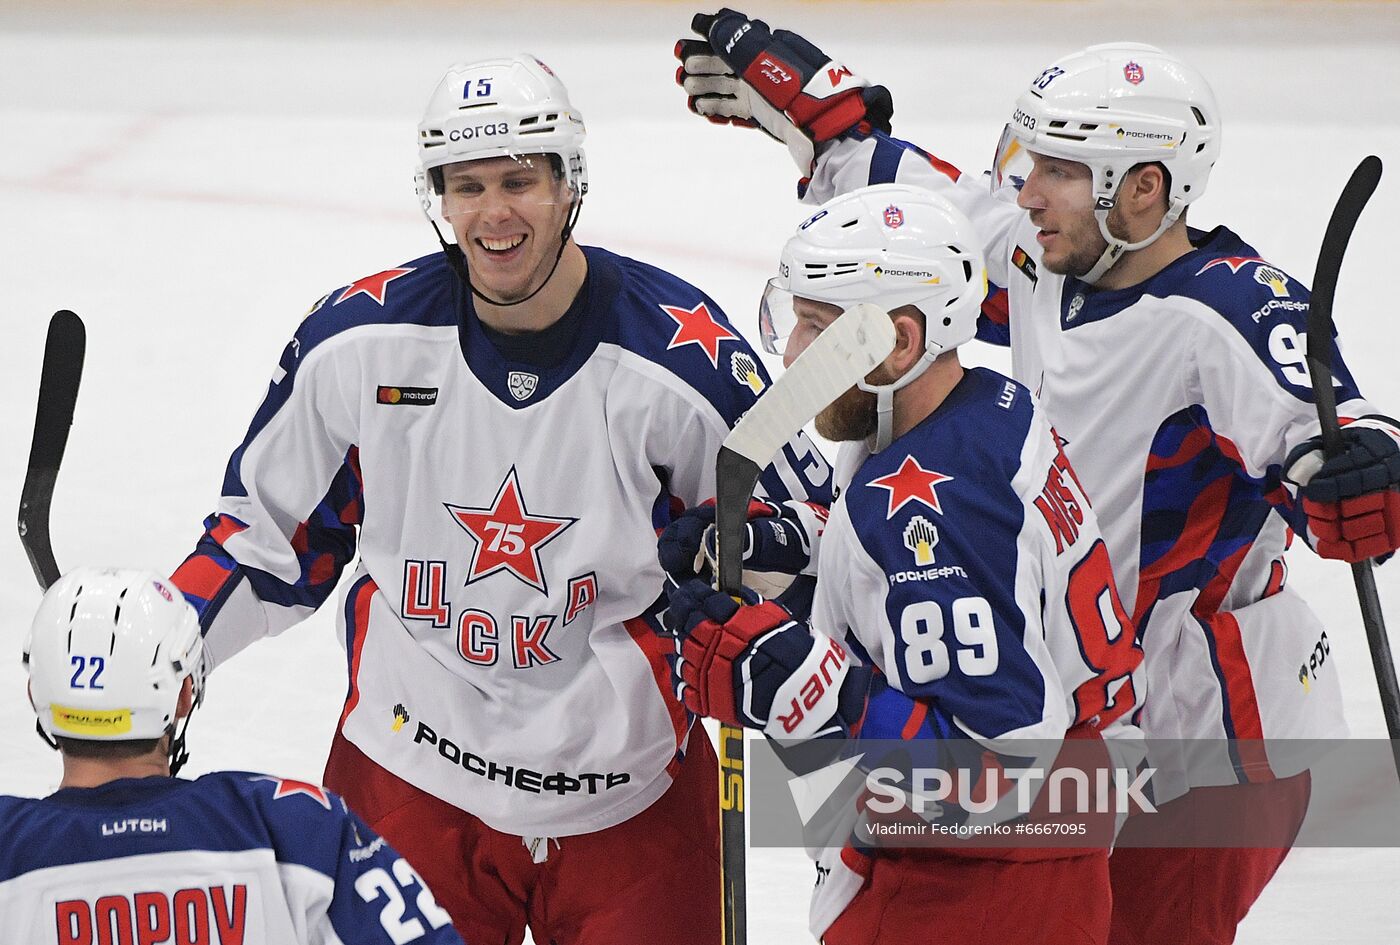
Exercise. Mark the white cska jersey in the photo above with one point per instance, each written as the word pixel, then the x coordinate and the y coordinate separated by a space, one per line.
pixel 500 625
pixel 1177 400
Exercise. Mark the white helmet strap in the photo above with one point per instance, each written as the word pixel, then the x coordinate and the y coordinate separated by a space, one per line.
pixel 884 397
pixel 1116 247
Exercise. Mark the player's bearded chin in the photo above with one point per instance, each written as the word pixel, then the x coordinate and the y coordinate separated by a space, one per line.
pixel 850 417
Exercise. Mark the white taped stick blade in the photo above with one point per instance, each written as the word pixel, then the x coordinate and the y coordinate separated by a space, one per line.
pixel 847 350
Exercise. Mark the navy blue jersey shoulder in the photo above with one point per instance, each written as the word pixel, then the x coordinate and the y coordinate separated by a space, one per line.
pixel 228 811
pixel 1266 306
pixel 957 464
pixel 418 292
pixel 670 322
pixel 1227 274
pixel 1219 272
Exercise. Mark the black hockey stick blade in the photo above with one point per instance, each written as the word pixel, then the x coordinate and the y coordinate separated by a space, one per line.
pixel 58 394
pixel 1353 200
pixel 1355 194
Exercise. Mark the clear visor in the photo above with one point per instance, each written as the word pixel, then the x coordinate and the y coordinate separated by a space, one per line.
pixel 1012 164
pixel 776 317
pixel 456 193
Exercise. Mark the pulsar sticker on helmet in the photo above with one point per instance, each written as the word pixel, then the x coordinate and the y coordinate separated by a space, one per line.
pixel 91 723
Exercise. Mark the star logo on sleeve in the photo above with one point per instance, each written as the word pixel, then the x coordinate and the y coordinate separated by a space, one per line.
pixel 508 536
pixel 696 326
pixel 911 483
pixel 286 787
pixel 374 286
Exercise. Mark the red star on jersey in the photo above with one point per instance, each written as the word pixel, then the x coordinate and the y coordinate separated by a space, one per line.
pixel 286 787
pixel 698 327
pixel 373 286
pixel 911 483
pixel 1236 263
pixel 508 537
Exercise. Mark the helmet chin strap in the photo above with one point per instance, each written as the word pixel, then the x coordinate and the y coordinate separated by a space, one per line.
pixel 1117 248
pixel 884 398
pixel 457 258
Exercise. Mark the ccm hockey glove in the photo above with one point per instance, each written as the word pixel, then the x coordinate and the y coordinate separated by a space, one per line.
pixel 744 74
pixel 750 663
pixel 1352 500
pixel 778 543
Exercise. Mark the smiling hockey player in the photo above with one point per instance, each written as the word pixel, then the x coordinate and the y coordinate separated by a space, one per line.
pixel 499 429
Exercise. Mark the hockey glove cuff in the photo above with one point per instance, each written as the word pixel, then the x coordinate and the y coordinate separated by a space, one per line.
pixel 749 663
pixel 1352 500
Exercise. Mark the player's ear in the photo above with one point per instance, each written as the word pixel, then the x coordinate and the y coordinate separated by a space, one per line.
pixel 908 340
pixel 1146 187
pixel 185 705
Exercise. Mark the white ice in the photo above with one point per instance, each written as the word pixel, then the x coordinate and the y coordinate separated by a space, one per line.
pixel 191 179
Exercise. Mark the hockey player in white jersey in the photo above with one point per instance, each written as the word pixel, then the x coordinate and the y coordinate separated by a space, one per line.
pixel 1171 361
pixel 499 429
pixel 125 853
pixel 957 509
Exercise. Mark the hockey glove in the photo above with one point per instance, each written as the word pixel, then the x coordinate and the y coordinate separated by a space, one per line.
pixel 749 663
pixel 743 74
pixel 777 544
pixel 1351 500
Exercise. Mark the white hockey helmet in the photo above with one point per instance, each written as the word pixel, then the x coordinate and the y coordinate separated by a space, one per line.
pixel 1112 107
pixel 891 245
pixel 108 653
pixel 511 107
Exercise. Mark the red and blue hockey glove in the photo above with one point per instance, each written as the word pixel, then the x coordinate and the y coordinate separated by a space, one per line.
pixel 750 663
pixel 1353 499
pixel 742 73
pixel 779 542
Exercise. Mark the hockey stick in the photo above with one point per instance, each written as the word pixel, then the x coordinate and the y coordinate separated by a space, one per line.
pixel 58 393
pixel 1358 190
pixel 847 350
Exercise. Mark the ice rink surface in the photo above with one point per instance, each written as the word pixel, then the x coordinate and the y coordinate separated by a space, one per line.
pixel 192 177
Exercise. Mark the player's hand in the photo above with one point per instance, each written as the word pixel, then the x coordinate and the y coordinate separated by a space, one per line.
pixel 777 543
pixel 742 73
pixel 750 663
pixel 1352 500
